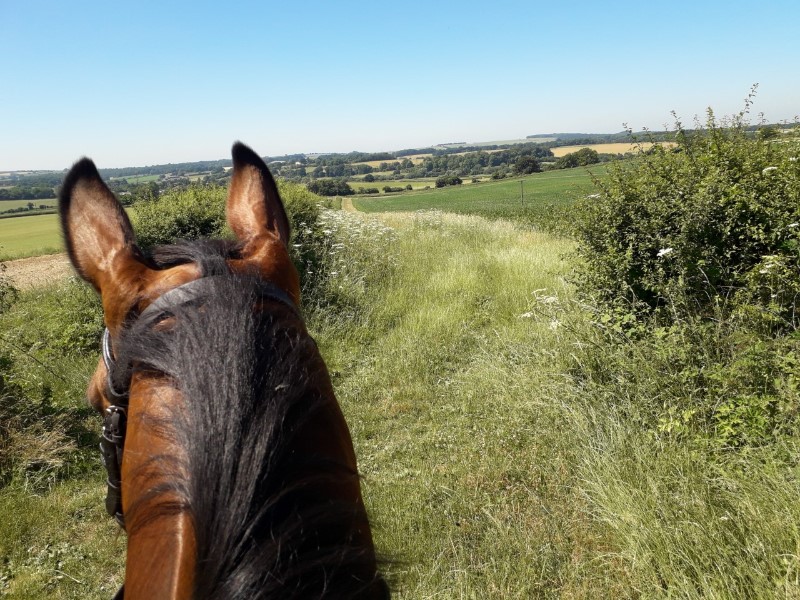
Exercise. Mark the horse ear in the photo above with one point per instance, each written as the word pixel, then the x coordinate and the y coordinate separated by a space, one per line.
pixel 96 228
pixel 254 206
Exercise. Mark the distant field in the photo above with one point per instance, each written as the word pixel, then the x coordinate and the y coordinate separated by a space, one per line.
pixel 415 158
pixel 10 204
pixel 29 236
pixel 137 178
pixel 605 148
pixel 418 158
pixel 417 184
pixel 492 197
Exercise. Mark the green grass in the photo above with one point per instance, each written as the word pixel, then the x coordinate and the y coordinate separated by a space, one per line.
pixel 134 179
pixel 493 469
pixel 528 199
pixel 29 236
pixel 9 204
pixel 443 378
pixel 417 184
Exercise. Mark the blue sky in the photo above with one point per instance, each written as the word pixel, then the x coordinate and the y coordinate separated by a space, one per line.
pixel 141 83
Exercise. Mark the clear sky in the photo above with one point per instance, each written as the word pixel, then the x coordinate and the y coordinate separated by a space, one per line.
pixel 140 83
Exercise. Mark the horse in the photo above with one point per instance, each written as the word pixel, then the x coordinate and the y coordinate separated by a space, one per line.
pixel 230 464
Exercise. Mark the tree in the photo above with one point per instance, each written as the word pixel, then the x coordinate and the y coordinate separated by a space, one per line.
pixel 581 158
pixel 445 180
pixel 526 164
pixel 330 187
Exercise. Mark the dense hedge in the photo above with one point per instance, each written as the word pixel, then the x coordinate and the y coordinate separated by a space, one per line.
pixel 199 211
pixel 714 218
pixel 690 264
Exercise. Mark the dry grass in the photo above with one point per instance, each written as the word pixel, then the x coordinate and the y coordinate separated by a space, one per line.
pixel 622 148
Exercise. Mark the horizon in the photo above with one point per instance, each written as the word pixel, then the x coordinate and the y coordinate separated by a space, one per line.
pixel 154 84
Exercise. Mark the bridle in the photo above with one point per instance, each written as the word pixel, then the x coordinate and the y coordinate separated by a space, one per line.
pixel 115 418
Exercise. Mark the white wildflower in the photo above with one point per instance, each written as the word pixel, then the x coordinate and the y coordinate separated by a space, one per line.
pixel 592 196
pixel 792 225
pixel 526 315
pixel 664 252
pixel 554 324
pixel 768 169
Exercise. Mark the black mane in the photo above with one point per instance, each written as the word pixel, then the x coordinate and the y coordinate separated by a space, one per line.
pixel 250 380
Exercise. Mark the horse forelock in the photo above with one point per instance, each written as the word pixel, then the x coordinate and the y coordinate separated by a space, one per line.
pixel 266 524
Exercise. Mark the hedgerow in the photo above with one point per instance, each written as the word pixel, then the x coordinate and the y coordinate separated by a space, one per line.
pixel 713 219
pixel 690 262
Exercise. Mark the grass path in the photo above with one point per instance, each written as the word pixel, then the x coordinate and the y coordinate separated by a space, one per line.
pixel 445 385
pixel 37 271
pixel 491 471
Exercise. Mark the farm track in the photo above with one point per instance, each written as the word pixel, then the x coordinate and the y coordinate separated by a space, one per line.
pixel 37 271
pixel 347 205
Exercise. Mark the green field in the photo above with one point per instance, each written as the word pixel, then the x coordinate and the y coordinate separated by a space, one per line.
pixel 542 200
pixel 29 236
pixel 417 184
pixel 132 179
pixel 10 204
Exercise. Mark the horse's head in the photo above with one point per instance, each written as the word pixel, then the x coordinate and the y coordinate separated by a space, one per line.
pixel 102 245
pixel 236 454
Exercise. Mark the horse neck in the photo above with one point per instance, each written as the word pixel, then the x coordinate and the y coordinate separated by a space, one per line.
pixel 161 540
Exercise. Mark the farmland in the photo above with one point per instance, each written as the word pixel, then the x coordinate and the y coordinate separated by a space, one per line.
pixel 29 236
pixel 555 187
pixel 39 234
pixel 618 148
pixel 11 204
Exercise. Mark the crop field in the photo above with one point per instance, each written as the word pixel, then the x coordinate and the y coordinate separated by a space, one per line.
pixel 138 178
pixel 415 158
pixel 519 194
pixel 29 236
pixel 9 204
pixel 604 148
pixel 416 184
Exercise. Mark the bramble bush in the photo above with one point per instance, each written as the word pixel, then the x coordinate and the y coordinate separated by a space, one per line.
pixel 690 262
pixel 712 220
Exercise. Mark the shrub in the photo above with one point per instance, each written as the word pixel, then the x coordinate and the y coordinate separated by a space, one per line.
pixel 445 180
pixel 195 212
pixel 712 219
pixel 582 158
pixel 330 187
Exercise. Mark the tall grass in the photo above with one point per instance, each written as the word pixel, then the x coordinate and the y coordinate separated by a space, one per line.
pixel 508 452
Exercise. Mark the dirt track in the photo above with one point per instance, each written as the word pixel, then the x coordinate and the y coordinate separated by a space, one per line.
pixel 27 273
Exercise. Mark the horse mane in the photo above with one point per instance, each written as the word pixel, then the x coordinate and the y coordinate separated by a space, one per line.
pixel 250 379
